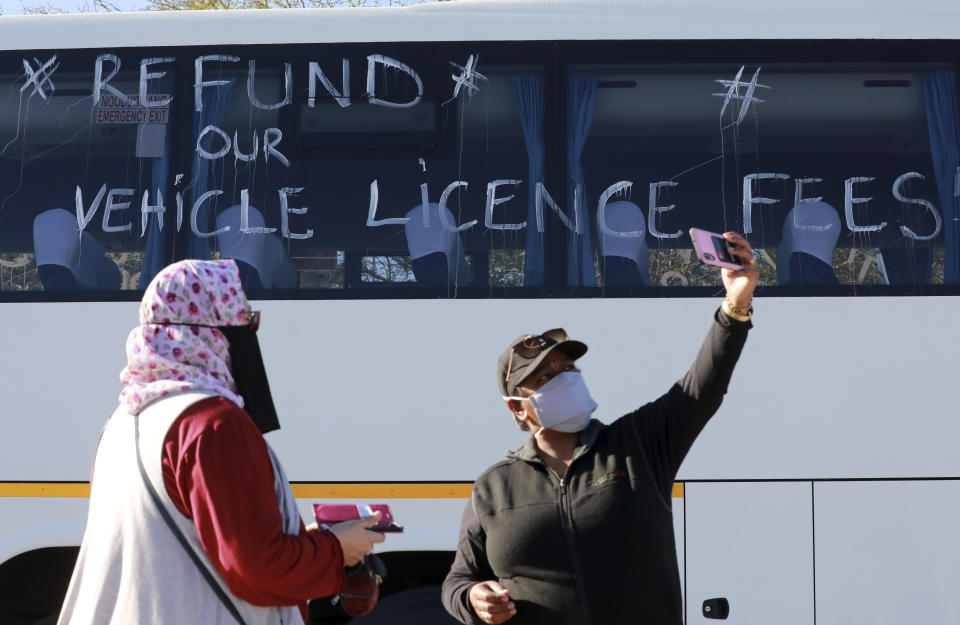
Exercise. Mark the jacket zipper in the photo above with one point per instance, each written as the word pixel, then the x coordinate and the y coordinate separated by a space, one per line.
pixel 566 522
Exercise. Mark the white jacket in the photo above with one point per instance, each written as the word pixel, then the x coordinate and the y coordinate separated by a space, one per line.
pixel 132 570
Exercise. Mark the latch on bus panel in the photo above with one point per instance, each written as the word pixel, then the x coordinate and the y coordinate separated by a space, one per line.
pixel 718 608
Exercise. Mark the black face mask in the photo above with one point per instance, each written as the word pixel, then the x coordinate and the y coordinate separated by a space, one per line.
pixel 246 366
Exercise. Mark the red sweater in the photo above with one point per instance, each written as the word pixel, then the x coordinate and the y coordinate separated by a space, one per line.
pixel 217 471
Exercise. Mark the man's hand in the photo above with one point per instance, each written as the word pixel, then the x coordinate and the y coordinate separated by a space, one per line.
pixel 740 283
pixel 491 602
pixel 355 539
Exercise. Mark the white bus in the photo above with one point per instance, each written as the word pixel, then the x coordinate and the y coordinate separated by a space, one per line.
pixel 408 189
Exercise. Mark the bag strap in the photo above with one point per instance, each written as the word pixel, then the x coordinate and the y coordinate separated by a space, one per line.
pixel 180 537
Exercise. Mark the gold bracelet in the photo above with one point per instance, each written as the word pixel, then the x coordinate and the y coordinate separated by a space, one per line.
pixel 738 311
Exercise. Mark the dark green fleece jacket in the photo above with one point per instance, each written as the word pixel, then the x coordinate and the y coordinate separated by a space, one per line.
pixel 597 546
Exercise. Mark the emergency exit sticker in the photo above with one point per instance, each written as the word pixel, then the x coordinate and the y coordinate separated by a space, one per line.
pixel 114 109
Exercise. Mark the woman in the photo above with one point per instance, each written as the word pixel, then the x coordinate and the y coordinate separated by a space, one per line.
pixel 191 517
pixel 575 527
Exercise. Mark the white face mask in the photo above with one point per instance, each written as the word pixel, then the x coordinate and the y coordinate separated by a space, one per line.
pixel 563 404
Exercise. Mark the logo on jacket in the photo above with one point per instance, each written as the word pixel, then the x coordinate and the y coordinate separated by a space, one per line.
pixel 606 477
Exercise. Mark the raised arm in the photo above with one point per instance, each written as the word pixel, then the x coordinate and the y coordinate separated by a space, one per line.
pixel 667 427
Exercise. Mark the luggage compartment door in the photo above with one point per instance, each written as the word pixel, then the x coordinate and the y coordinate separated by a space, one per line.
pixel 751 544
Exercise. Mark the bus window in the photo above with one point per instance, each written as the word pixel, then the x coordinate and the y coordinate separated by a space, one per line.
pixel 829 169
pixel 319 168
pixel 332 168
pixel 466 169
pixel 68 159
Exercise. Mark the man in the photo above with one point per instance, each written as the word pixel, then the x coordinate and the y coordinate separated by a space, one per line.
pixel 191 516
pixel 575 527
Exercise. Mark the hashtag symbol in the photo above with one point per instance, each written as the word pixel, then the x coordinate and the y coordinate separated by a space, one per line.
pixel 40 77
pixel 733 93
pixel 467 78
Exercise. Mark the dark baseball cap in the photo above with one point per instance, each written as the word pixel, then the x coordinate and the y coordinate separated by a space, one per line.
pixel 526 352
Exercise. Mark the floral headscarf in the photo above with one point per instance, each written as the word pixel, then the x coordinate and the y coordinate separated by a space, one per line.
pixel 177 346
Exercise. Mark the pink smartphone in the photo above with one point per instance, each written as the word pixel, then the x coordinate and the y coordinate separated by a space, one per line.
pixel 331 514
pixel 711 248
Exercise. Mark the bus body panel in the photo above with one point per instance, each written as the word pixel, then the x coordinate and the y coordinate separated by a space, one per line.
pixel 412 395
pixel 411 399
pixel 478 20
pixel 751 544
pixel 37 522
pixel 887 552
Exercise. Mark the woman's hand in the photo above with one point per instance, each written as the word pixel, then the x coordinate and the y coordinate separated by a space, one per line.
pixel 740 283
pixel 491 602
pixel 355 539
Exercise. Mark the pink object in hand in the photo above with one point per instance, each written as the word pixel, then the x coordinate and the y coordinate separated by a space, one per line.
pixel 330 514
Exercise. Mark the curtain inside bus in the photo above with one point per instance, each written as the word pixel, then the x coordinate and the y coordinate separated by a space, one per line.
pixel 940 91
pixel 581 97
pixel 529 92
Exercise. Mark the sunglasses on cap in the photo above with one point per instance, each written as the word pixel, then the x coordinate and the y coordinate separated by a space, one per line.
pixel 534 344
